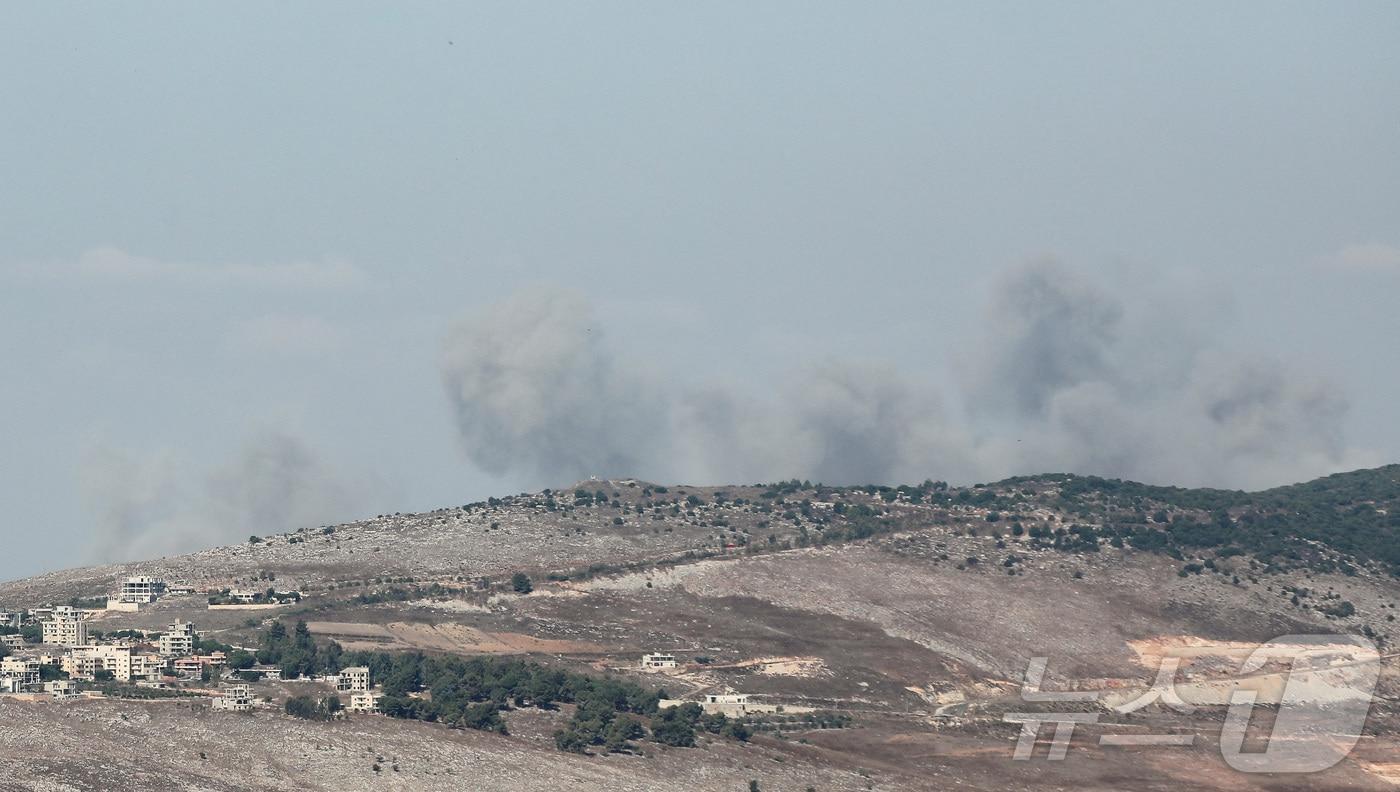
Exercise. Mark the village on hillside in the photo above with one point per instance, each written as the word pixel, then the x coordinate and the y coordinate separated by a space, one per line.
pixel 55 653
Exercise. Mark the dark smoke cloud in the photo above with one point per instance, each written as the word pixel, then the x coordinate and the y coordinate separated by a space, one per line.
pixel 1067 379
pixel 150 506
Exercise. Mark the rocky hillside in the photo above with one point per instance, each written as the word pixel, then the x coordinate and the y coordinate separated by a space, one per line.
pixel 912 611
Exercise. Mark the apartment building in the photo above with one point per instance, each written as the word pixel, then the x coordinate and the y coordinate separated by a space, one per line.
pixel 67 627
pixel 364 701
pixel 354 679
pixel 85 662
pixel 22 669
pixel 140 590
pixel 149 666
pixel 178 641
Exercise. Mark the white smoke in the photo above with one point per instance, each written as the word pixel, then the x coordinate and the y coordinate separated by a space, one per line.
pixel 1067 379
pixel 143 507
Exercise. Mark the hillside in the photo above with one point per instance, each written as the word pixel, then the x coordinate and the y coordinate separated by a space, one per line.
pixel 912 611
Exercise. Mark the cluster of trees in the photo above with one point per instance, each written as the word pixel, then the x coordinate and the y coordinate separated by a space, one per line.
pixel 297 653
pixel 308 708
pixel 471 693
pixel 1354 515
pixel 596 724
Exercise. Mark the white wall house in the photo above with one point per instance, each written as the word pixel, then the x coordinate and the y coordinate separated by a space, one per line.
pixel 652 662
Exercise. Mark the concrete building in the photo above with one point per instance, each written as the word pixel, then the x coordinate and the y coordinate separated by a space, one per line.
pixel 188 667
pixel 60 688
pixel 10 619
pixel 22 669
pixel 178 641
pixel 67 627
pixel 140 589
pixel 354 679
pixel 9 685
pixel 364 701
pixel 235 698
pixel 85 662
pixel 149 666
pixel 653 662
pixel 12 641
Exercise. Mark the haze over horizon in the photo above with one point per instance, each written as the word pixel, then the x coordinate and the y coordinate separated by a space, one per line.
pixel 253 279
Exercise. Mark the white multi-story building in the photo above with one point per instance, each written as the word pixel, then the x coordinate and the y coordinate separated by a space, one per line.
pixel 24 671
pixel 9 619
pixel 354 679
pixel 12 641
pixel 236 698
pixel 364 701
pixel 85 662
pixel 651 662
pixel 66 628
pixel 140 589
pixel 178 641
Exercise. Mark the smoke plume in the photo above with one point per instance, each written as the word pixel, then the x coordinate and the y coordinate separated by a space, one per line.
pixel 145 507
pixel 1066 378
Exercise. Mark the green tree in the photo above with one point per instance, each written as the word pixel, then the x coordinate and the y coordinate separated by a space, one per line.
pixel 240 659
pixel 569 741
pixel 521 583
pixel 621 732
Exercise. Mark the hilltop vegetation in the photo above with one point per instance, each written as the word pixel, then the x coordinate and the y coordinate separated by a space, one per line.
pixel 1330 524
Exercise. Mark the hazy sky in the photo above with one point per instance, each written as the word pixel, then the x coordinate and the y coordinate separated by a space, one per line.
pixel 268 265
